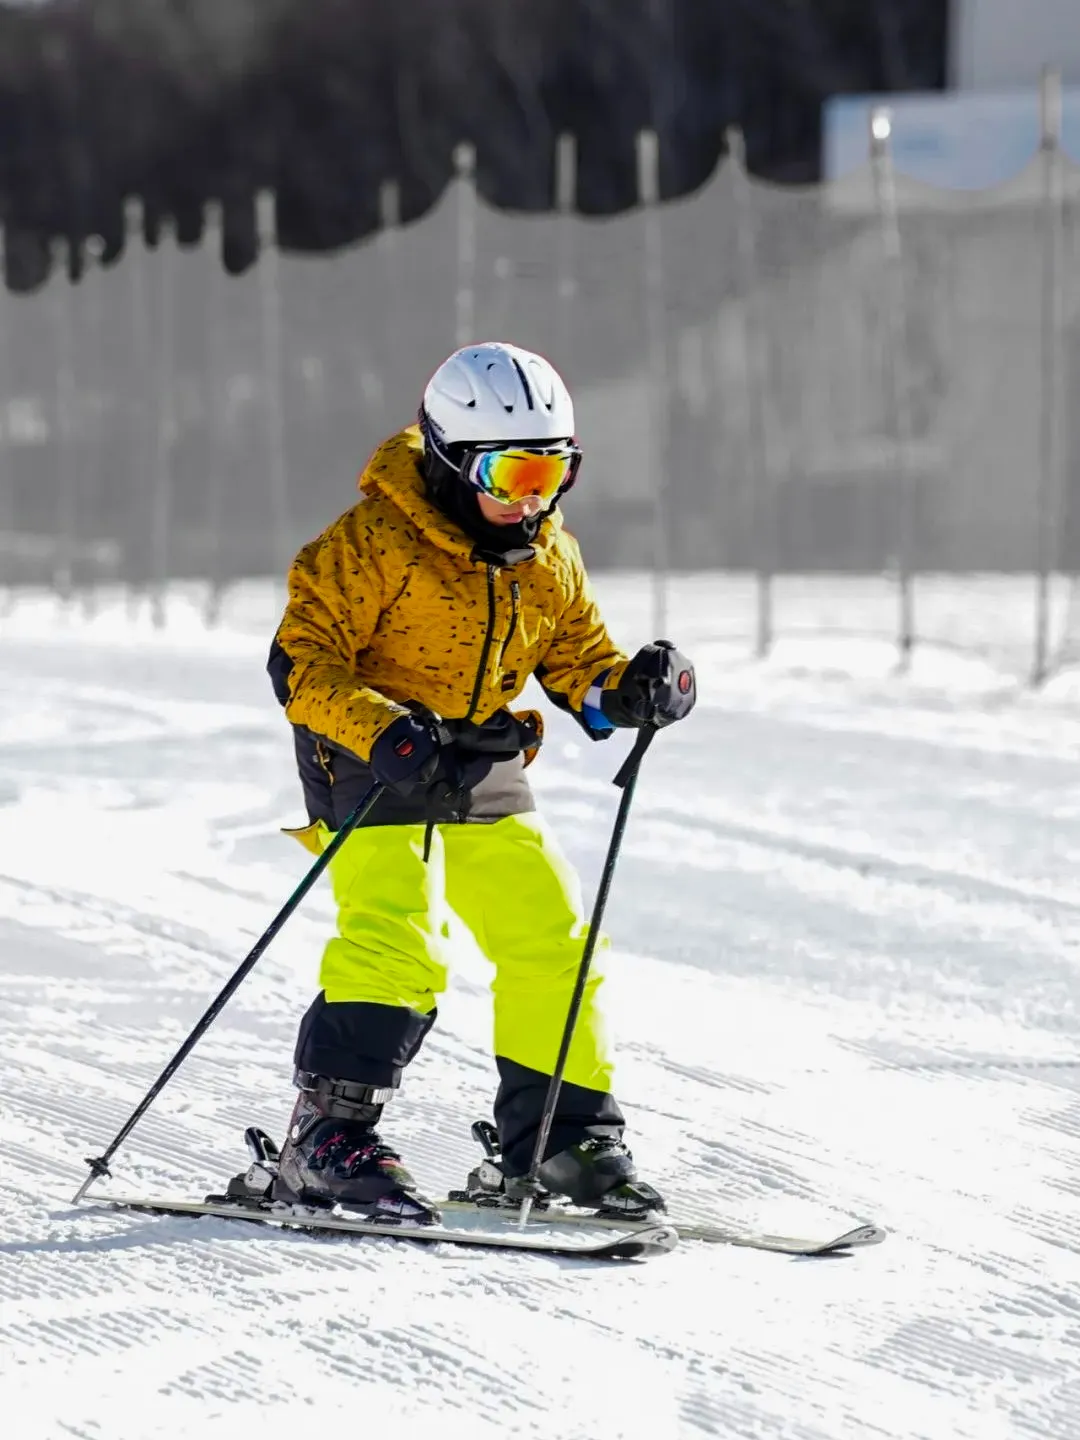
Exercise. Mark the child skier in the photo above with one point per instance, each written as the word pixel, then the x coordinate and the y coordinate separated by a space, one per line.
pixel 412 623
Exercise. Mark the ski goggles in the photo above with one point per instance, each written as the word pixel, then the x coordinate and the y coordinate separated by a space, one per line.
pixel 512 475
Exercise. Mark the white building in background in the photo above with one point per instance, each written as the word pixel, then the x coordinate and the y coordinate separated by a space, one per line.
pixel 998 45
pixel 984 128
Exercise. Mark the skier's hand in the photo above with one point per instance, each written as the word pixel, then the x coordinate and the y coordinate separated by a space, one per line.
pixel 657 688
pixel 411 752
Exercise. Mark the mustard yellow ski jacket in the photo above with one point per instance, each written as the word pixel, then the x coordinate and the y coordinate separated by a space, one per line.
pixel 388 605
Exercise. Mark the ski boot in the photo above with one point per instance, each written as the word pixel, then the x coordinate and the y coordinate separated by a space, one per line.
pixel 597 1174
pixel 334 1156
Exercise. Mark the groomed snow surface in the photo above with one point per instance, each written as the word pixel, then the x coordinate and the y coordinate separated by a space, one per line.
pixel 845 981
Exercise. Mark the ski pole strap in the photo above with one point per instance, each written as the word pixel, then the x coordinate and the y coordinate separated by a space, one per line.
pixel 629 768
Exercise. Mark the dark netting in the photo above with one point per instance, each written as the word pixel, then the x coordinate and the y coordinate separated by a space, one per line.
pixel 801 418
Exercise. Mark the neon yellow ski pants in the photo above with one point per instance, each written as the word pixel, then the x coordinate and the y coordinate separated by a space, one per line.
pixel 511 885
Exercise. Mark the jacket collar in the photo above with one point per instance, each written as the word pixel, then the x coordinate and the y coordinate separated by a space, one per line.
pixel 394 471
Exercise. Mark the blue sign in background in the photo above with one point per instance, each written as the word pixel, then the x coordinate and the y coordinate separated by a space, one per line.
pixel 957 141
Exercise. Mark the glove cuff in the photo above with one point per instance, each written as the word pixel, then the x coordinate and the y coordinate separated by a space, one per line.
pixel 617 709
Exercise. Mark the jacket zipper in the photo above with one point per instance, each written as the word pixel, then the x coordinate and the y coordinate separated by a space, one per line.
pixel 485 653
pixel 515 598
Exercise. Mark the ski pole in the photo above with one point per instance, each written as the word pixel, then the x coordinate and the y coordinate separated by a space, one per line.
pixel 626 780
pixel 100 1165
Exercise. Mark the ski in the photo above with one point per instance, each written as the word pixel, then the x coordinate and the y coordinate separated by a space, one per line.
pixel 470 1226
pixel 857 1238
pixel 483 1215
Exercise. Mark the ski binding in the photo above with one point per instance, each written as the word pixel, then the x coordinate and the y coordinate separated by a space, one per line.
pixel 487 1188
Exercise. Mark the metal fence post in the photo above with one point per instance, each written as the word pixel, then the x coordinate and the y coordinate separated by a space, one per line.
pixel 1049 491
pixel 64 428
pixel 273 379
pixel 566 278
pixel 756 371
pixel 465 299
pixel 648 174
pixel 897 376
pixel 215 392
pixel 388 246
pixel 164 381
pixel 138 400
pixel 95 392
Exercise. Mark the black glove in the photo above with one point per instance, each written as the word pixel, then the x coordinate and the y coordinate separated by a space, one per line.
pixel 413 751
pixel 657 688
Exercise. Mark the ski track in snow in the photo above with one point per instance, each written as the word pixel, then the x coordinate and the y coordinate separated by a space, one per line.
pixel 845 983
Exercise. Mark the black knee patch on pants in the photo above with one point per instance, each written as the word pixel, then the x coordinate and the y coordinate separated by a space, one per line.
pixel 356 1040
pixel 519 1105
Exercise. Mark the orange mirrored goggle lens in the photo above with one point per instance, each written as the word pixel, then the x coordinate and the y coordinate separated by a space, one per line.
pixel 510 476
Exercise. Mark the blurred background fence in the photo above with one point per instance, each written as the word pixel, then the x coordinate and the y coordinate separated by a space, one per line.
pixel 867 379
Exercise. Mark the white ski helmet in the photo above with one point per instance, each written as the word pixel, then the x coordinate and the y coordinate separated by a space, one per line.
pixel 493 393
